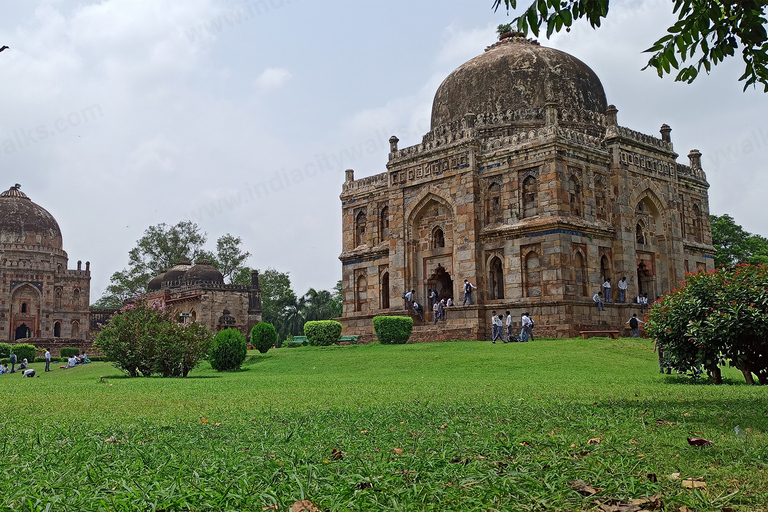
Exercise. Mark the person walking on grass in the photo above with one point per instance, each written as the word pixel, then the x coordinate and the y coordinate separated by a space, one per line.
pixel 634 324
pixel 509 326
pixel 525 332
pixel 496 327
pixel 47 360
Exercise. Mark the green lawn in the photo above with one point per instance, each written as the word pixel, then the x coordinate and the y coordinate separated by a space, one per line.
pixel 439 426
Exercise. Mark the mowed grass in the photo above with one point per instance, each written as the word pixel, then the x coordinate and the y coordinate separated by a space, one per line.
pixel 440 426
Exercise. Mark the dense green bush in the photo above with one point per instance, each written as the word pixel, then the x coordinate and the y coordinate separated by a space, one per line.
pixel 322 332
pixel 263 336
pixel 69 351
pixel 5 350
pixel 228 350
pixel 716 318
pixel 146 339
pixel 24 350
pixel 393 329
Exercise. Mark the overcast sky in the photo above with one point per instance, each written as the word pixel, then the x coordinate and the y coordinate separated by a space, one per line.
pixel 242 115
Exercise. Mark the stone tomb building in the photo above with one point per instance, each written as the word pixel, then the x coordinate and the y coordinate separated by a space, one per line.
pixel 198 294
pixel 526 185
pixel 41 300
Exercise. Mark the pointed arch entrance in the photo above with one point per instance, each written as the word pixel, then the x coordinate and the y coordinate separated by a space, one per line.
pixel 440 281
pixel 495 279
pixel 22 331
pixel 25 311
pixel 429 250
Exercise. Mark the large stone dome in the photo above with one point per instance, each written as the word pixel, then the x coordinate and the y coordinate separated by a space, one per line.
pixel 205 272
pixel 24 222
pixel 514 74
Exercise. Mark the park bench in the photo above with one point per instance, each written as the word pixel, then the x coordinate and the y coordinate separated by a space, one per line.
pixel 297 341
pixel 349 339
pixel 610 334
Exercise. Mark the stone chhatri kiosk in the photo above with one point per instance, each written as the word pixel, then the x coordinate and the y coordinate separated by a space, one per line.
pixel 527 186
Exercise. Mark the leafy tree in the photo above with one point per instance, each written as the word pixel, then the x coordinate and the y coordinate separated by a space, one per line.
pixel 716 318
pixel 146 339
pixel 734 245
pixel 708 31
pixel 229 258
pixel 276 296
pixel 160 248
pixel 320 305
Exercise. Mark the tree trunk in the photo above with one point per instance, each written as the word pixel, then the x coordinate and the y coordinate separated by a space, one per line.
pixel 714 373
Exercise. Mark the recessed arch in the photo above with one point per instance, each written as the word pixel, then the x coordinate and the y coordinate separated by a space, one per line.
pixel 361 219
pixel 495 278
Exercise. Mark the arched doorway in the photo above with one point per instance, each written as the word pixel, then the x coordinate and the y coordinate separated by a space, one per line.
pixel 441 282
pixel 384 293
pixel 22 331
pixel 495 279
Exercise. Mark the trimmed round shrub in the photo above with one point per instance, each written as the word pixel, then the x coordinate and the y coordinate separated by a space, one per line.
pixel 69 351
pixel 24 350
pixel 263 336
pixel 393 329
pixel 228 350
pixel 5 350
pixel 322 333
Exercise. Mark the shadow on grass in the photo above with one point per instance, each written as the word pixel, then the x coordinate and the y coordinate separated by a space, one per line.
pixel 255 359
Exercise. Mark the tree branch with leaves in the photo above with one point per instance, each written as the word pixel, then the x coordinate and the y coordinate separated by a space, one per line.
pixel 705 34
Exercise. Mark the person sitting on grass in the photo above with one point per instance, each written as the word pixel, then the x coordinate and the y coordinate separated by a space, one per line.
pixel 71 362
pixel 23 365
pixel 3 369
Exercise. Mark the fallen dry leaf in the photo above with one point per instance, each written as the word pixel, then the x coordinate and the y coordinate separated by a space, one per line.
pixel 632 441
pixel 595 440
pixel 652 478
pixel 363 431
pixel 204 420
pixel 397 451
pixel 271 507
pixel 304 506
pixel 337 454
pixel 443 426
pixel 583 488
pixel 684 509
pixel 674 476
pixel 693 483
pixel 525 443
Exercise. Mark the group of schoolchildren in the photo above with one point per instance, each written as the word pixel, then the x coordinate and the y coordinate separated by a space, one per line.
pixel 604 296
pixel 497 328
pixel 73 361
pixel 438 306
pixel 25 372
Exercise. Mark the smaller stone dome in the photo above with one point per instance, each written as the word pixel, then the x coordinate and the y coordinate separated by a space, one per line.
pixel 156 282
pixel 176 273
pixel 203 271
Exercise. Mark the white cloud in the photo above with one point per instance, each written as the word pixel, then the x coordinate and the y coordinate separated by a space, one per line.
pixel 272 78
